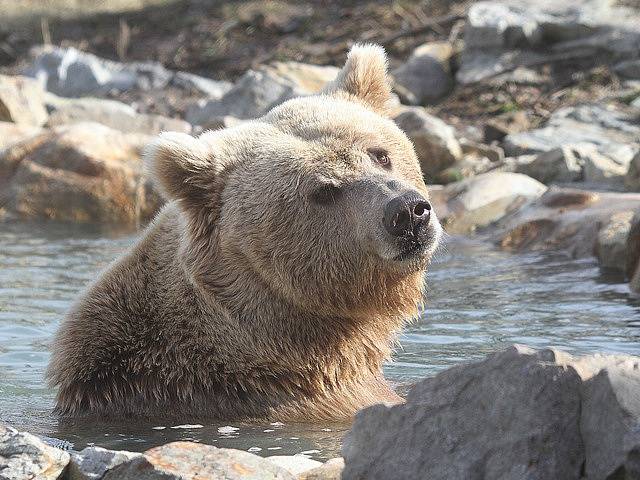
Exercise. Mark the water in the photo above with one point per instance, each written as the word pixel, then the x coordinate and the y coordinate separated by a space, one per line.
pixel 478 300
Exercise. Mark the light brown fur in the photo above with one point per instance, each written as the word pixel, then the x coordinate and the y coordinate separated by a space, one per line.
pixel 245 298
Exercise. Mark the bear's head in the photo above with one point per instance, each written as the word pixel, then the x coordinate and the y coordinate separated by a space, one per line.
pixel 322 199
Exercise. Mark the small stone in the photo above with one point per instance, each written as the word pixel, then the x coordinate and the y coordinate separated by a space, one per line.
pixel 611 247
pixel 24 457
pixel 193 461
pixel 563 164
pixel 22 101
pixel 434 141
pixel 426 76
pixel 93 462
pixel 507 123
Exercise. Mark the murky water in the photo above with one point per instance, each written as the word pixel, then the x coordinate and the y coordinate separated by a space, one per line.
pixel 479 300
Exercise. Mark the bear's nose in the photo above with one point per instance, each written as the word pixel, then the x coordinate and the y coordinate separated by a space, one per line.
pixel 406 215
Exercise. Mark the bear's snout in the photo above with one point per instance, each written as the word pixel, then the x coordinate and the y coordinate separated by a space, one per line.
pixel 406 219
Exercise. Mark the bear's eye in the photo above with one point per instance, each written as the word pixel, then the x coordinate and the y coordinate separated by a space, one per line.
pixel 380 156
pixel 326 194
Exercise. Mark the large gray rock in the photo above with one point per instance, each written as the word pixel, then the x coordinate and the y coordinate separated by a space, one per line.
pixel 611 246
pixel 258 91
pixel 426 76
pixel 514 415
pixel 563 164
pixel 21 101
pixel 434 141
pixel 25 457
pixel 478 201
pixel 72 73
pixel 110 113
pixel 613 132
pixel 193 461
pixel 93 462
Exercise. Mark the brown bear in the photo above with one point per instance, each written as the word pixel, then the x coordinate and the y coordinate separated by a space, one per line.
pixel 272 284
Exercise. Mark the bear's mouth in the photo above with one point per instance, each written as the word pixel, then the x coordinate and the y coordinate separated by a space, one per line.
pixel 411 251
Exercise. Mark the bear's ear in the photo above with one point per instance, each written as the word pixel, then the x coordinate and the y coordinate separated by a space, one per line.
pixel 364 76
pixel 183 167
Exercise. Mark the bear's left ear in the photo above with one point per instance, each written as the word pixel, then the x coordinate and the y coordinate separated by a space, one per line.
pixel 183 167
pixel 364 76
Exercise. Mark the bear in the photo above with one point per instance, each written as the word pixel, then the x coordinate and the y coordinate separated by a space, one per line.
pixel 273 283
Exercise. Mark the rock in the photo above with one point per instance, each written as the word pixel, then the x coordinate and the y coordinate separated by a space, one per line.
pixel 434 141
pixel 21 101
pixel 614 133
pixel 426 76
pixel 633 246
pixel 85 173
pixel 491 152
pixel 112 114
pixel 93 462
pixel 563 219
pixel 294 464
pixel 23 457
pixel 604 170
pixel 632 177
pixel 628 69
pixel 510 122
pixel 562 164
pixel 611 246
pixel 610 418
pixel 479 201
pixel 258 91
pixel 330 470
pixel 191 461
pixel 71 73
pixel 11 133
pixel 514 415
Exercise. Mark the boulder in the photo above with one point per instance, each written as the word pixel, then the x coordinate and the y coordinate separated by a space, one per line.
pixel 93 462
pixel 478 201
pixel 191 461
pixel 434 141
pixel 85 173
pixel 11 133
pixel 22 101
pixel 514 415
pixel 330 470
pixel 497 128
pixel 563 219
pixel 612 131
pixel 563 164
pixel 24 456
pixel 110 113
pixel 426 76
pixel 517 414
pixel 258 91
pixel 294 464
pixel 611 246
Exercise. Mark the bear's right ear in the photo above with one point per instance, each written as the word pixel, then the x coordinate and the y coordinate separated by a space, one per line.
pixel 183 168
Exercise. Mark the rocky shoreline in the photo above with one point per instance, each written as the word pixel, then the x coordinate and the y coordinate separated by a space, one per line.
pixel 519 413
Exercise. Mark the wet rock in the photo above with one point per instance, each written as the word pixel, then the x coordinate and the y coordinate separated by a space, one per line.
pixel 93 462
pixel 514 415
pixel 258 91
pixel 478 201
pixel 499 127
pixel 632 177
pixel 610 418
pixel 21 101
pixel 613 132
pixel 330 470
pixel 110 113
pixel 12 132
pixel 426 76
pixel 85 173
pixel 611 246
pixel 562 164
pixel 434 141
pixel 191 461
pixel 294 464
pixel 563 219
pixel 23 456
